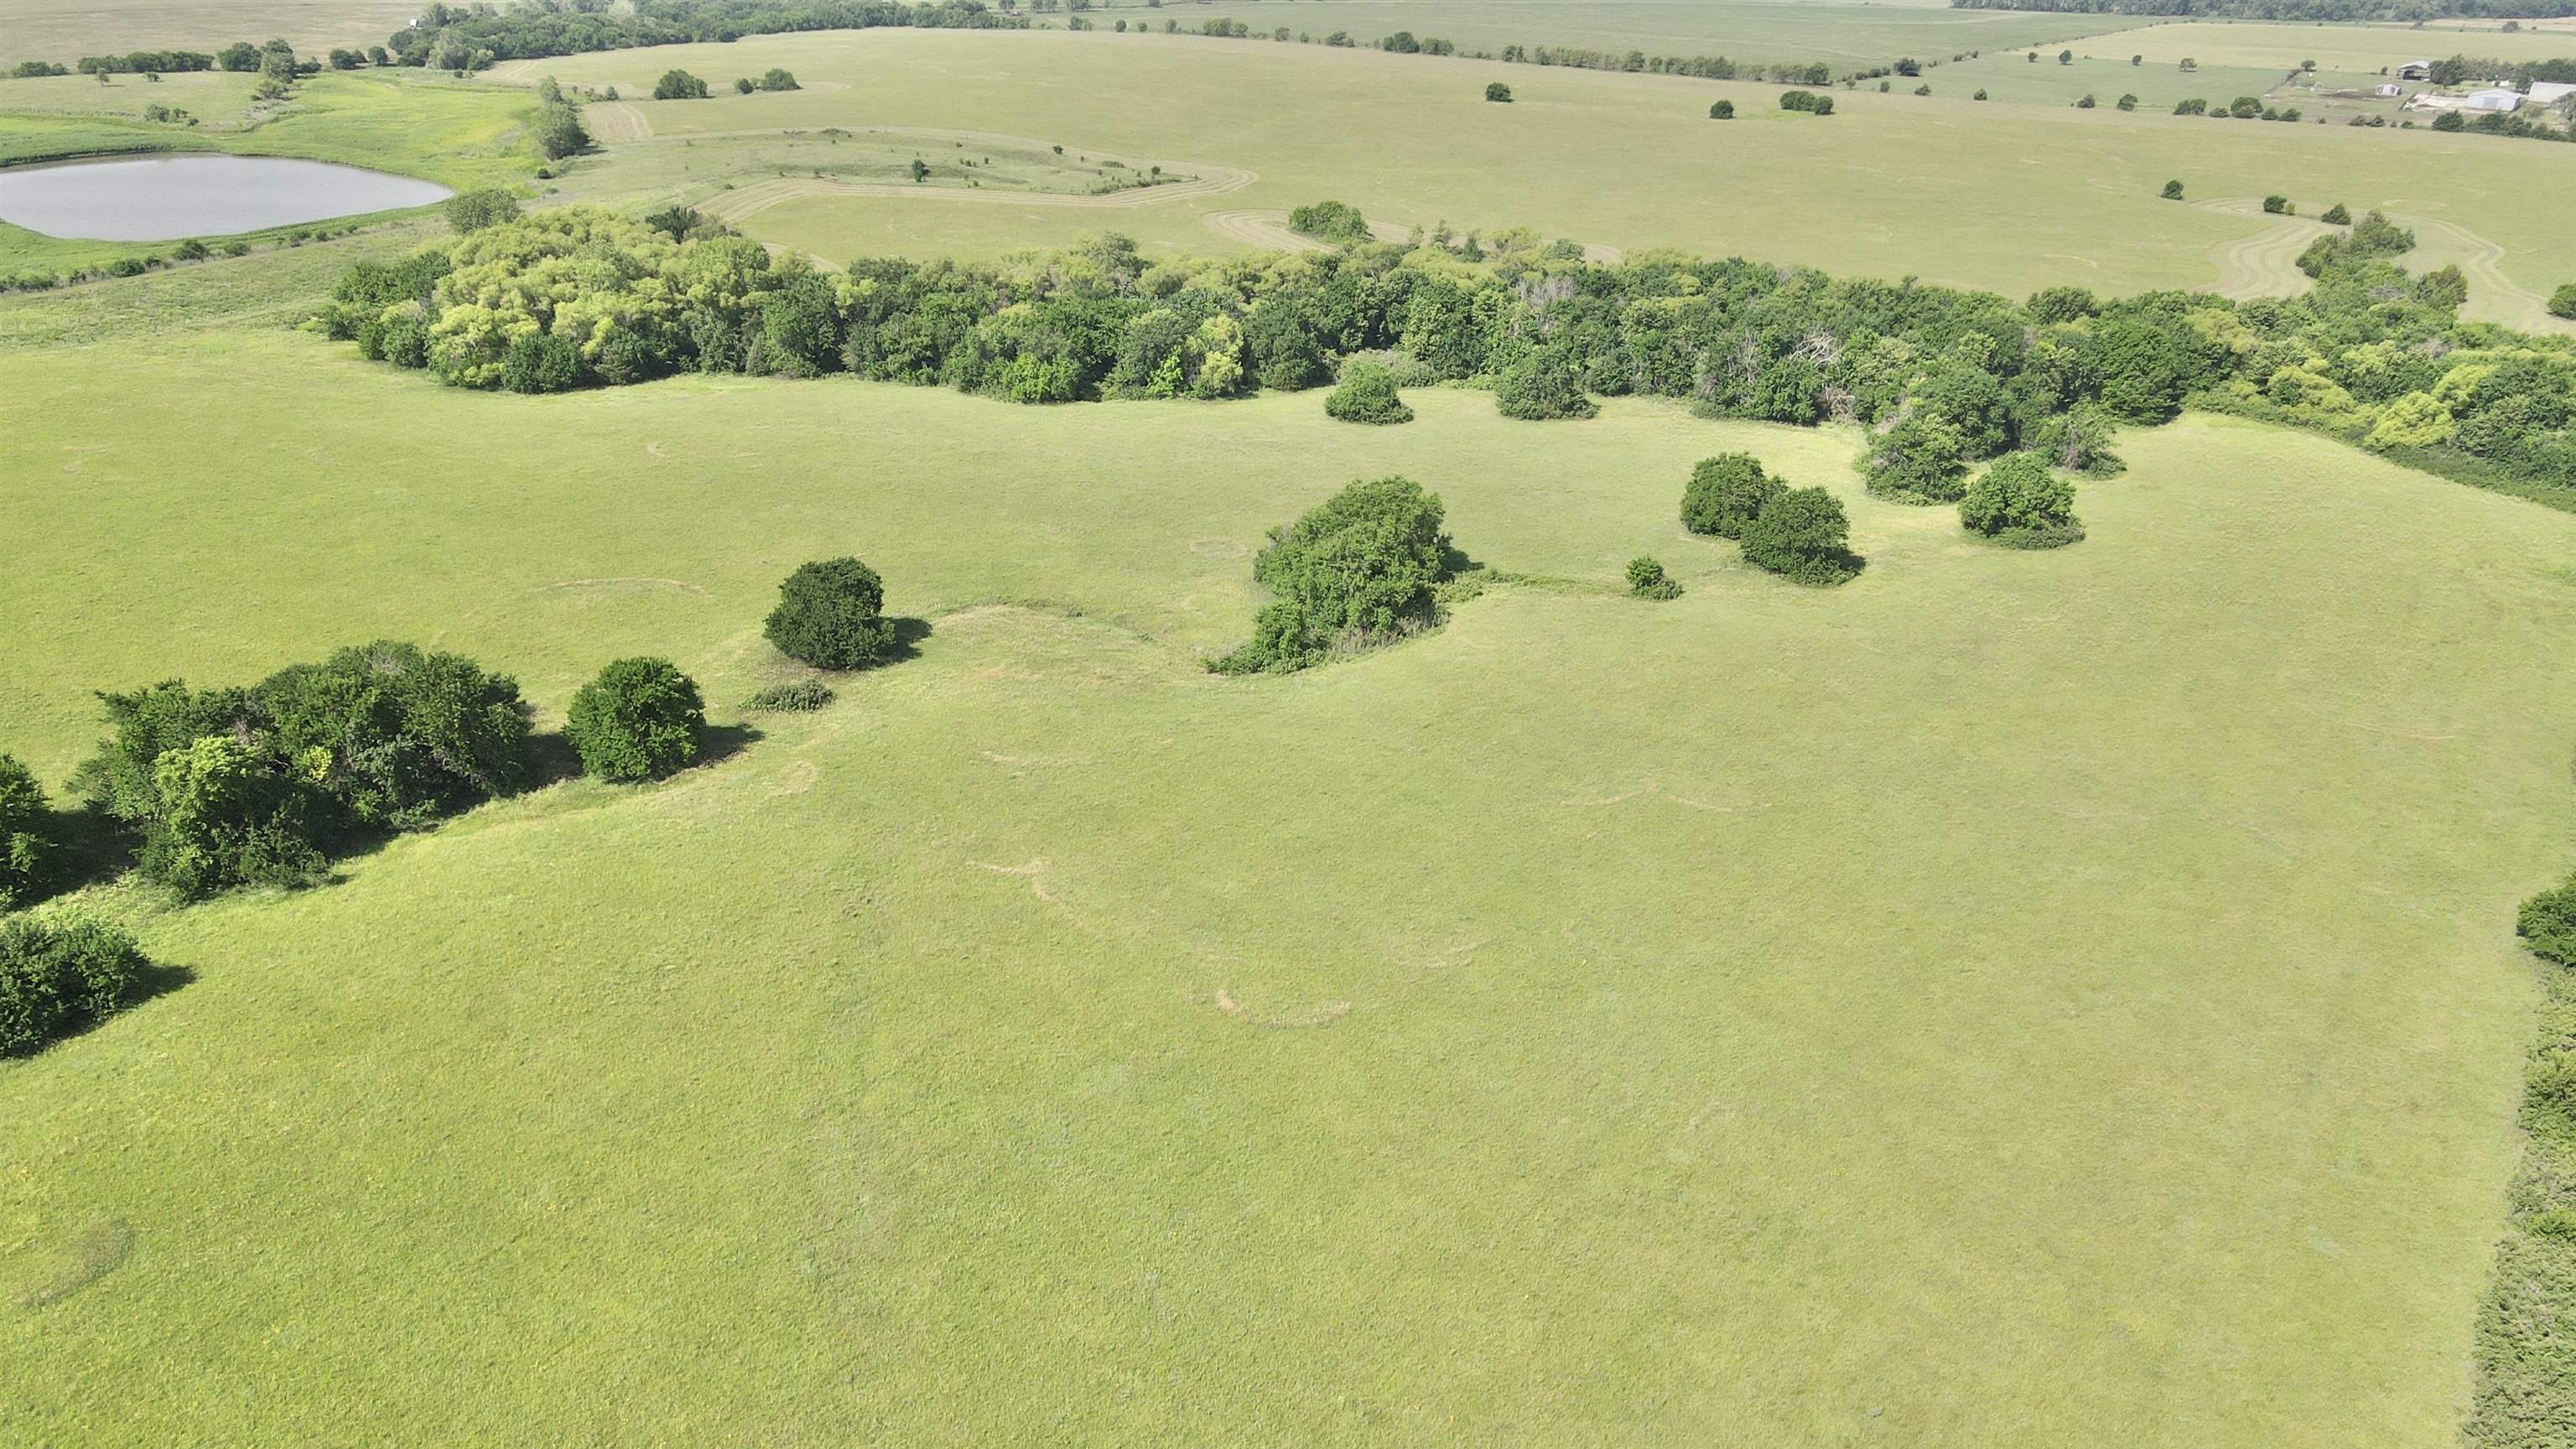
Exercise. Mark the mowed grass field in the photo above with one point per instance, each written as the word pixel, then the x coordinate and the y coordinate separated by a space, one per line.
pixel 62 31
pixel 1846 33
pixel 2015 998
pixel 2008 198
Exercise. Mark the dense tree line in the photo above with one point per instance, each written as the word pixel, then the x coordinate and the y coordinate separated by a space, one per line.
pixel 2299 10
pixel 1942 378
pixel 450 37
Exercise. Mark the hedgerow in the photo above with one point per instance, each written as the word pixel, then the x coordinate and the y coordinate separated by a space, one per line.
pixel 1942 379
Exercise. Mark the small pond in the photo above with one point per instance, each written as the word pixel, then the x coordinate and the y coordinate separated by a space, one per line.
pixel 164 198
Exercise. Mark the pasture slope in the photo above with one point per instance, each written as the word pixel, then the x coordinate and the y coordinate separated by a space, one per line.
pixel 2014 998
pixel 2006 198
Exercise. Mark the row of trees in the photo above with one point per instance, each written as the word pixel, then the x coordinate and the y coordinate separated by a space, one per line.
pixel 1944 379
pixel 2417 11
pixel 455 37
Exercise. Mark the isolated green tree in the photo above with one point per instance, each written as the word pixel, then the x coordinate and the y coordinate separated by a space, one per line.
pixel 1356 571
pixel 640 719
pixel 2562 302
pixel 2017 500
pixel 1725 493
pixel 830 615
pixel 1497 91
pixel 1647 580
pixel 2278 205
pixel 2173 191
pixel 1722 111
pixel 558 133
pixel 778 79
pixel 679 85
pixel 1367 394
pixel 1803 536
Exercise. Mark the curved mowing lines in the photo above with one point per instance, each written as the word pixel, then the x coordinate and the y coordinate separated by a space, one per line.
pixel 2266 264
pixel 1270 231
pixel 610 122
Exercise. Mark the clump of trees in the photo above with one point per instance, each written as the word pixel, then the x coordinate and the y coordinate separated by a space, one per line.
pixel 1541 385
pixel 57 976
pixel 831 614
pixel 639 720
pixel 1647 579
pixel 2278 205
pixel 679 85
pixel 471 211
pixel 2335 215
pixel 1498 92
pixel 1367 394
pixel 463 37
pixel 2562 302
pixel 2018 502
pixel 1803 536
pixel 2547 924
pixel 1725 493
pixel 1355 573
pixel 1808 101
pixel 1721 111
pixel 1331 221
pixel 228 787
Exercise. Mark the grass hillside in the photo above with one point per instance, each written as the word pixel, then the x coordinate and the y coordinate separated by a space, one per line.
pixel 2013 998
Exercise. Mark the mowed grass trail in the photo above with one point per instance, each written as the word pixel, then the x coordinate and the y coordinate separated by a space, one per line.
pixel 2007 198
pixel 2016 998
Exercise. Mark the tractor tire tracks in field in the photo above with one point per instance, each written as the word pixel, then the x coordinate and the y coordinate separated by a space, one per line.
pixel 2266 264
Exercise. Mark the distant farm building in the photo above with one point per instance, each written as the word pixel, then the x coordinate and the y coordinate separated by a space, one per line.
pixel 2550 93
pixel 2415 70
pixel 2392 88
pixel 2498 99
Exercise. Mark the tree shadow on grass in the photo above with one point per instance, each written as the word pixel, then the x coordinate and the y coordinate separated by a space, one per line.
pixel 719 743
pixel 88 847
pixel 908 635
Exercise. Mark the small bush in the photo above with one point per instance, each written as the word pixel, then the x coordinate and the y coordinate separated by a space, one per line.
pixel 776 79
pixel 57 977
pixel 2547 924
pixel 470 211
pixel 1356 572
pixel 830 615
pixel 2335 215
pixel 25 838
pixel 2562 302
pixel 1725 493
pixel 1647 580
pixel 2019 502
pixel 1542 386
pixel 1333 221
pixel 2278 205
pixel 641 718
pixel 1497 91
pixel 1803 536
pixel 1722 111
pixel 2173 191
pixel 679 85
pixel 795 697
pixel 1366 394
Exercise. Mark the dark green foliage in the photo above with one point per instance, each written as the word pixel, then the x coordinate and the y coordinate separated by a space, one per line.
pixel 2525 1394
pixel 56 976
pixel 742 85
pixel 679 85
pixel 1722 111
pixel 2450 121
pixel 541 362
pixel 1725 493
pixel 396 735
pixel 1923 459
pixel 2335 215
pixel 2547 924
pixel 25 829
pixel 1367 394
pixel 1356 572
pixel 1541 385
pixel 558 131
pixel 1647 580
pixel 2062 304
pixel 640 719
pixel 2278 205
pixel 681 222
pixel 475 210
pixel 1332 221
pixel 1497 91
pixel 776 79
pixel 2562 302
pixel 794 697
pixel 830 615
pixel 1804 537
pixel 2019 502
pixel 2173 191
pixel 1808 101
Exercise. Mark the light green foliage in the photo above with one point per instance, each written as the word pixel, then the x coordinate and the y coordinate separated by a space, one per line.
pixel 57 975
pixel 226 818
pixel 1354 573
pixel 474 210
pixel 2562 302
pixel 641 718
pixel 1331 220
pixel 1367 394
pixel 24 831
pixel 1647 580
pixel 2017 500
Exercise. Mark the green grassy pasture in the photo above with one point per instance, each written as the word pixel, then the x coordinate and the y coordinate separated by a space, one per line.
pixel 2012 999
pixel 63 31
pixel 1846 33
pixel 2010 198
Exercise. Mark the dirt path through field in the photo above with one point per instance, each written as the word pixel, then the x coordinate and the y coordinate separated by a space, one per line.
pixel 610 122
pixel 733 207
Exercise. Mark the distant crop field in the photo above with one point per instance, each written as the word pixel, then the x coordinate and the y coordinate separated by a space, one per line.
pixel 1844 32
pixel 1986 1003
pixel 62 31
pixel 2006 197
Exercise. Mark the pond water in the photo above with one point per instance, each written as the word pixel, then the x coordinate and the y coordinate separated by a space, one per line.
pixel 164 198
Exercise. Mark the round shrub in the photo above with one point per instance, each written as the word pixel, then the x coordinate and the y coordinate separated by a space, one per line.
pixel 2172 191
pixel 1355 572
pixel 639 719
pixel 1497 91
pixel 1542 386
pixel 1725 492
pixel 2019 501
pixel 56 976
pixel 1647 580
pixel 1722 111
pixel 2562 303
pixel 1803 536
pixel 22 829
pixel 829 615
pixel 2547 924
pixel 1366 394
